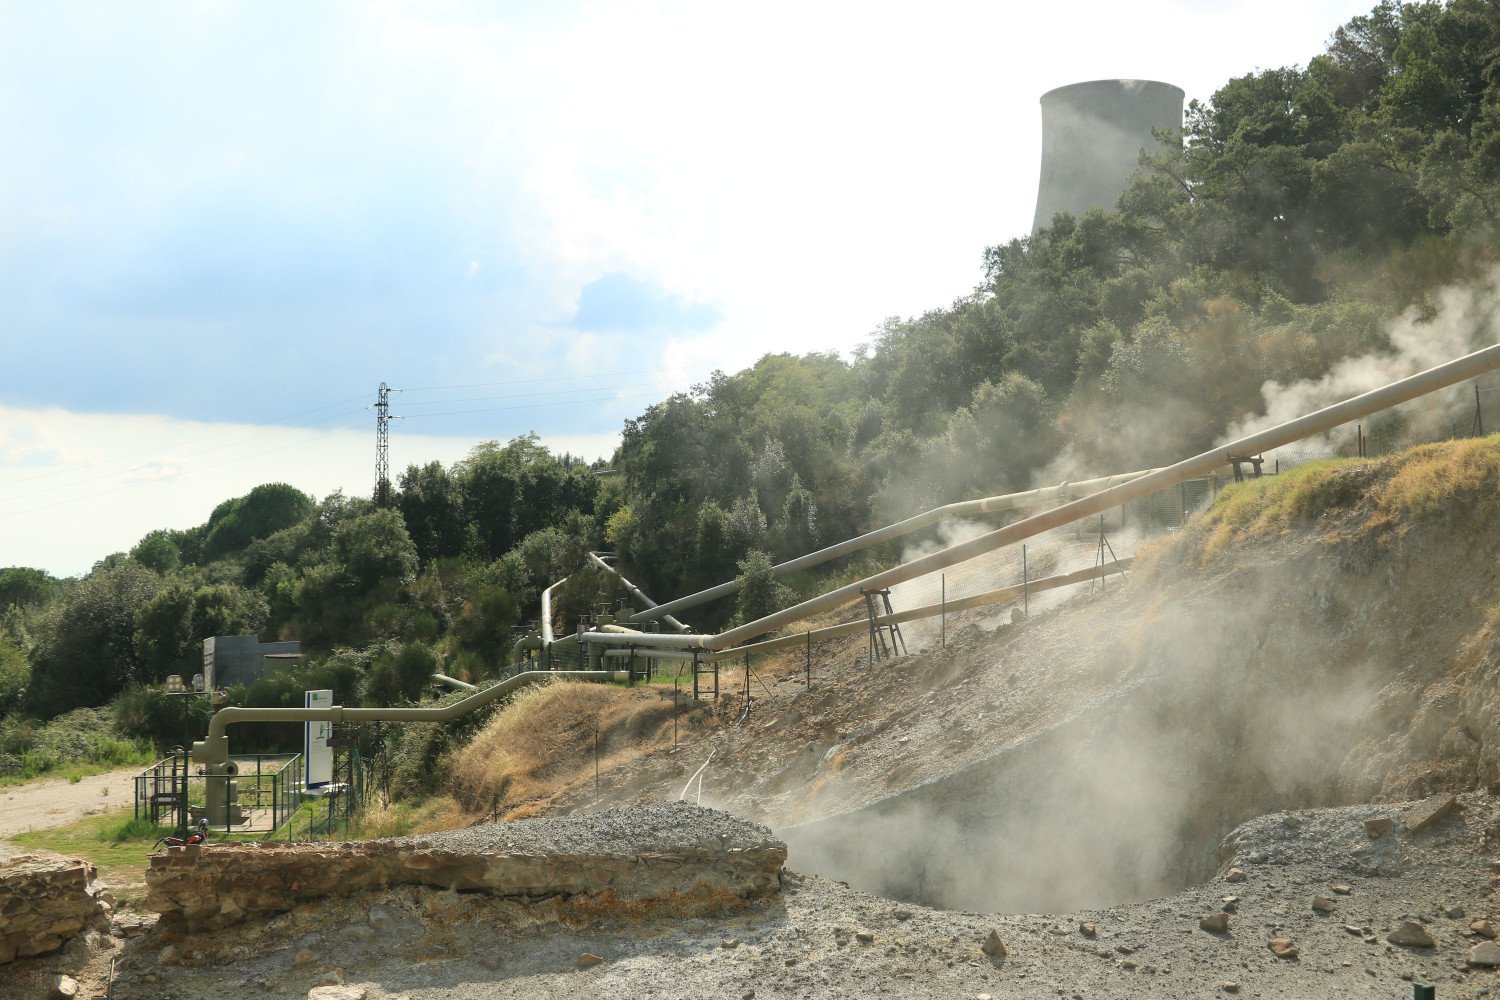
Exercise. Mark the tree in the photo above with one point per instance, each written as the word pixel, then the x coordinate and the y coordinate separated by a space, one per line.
pixel 260 513
pixel 85 648
pixel 760 593
pixel 23 587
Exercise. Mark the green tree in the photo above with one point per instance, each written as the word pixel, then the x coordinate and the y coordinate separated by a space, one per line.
pixel 85 648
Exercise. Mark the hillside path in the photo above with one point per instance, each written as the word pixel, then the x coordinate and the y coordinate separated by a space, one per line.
pixel 49 802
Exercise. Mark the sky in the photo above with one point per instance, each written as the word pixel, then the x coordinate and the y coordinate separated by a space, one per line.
pixel 226 223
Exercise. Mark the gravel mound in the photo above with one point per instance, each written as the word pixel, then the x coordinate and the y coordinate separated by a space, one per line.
pixel 665 826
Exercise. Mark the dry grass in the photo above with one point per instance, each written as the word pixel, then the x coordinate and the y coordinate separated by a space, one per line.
pixel 1356 498
pixel 542 744
pixel 401 819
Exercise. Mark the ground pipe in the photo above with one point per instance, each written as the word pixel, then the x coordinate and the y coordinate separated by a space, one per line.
pixel 213 750
pixel 1468 366
pixel 964 508
pixel 656 613
pixel 1001 596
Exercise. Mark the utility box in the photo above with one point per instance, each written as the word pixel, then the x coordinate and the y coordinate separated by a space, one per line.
pixel 243 659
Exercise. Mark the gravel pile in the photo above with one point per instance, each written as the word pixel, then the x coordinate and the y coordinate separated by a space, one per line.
pixel 664 826
pixel 1308 904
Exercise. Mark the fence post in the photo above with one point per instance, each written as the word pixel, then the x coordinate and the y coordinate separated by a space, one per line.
pixel 944 580
pixel 1025 585
pixel 808 633
pixel 1478 413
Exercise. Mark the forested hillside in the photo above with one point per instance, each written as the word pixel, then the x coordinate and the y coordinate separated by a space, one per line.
pixel 1301 209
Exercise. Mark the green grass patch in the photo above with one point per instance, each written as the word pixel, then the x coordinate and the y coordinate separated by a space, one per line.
pixel 74 773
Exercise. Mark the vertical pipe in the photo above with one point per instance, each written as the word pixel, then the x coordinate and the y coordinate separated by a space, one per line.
pixel 1025 585
pixel 676 705
pixel 1478 413
pixel 944 579
pixel 809 660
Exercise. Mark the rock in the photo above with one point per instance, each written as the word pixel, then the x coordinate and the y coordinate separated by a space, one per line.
pixel 1231 904
pixel 729 943
pixel 1234 875
pixel 381 915
pixel 170 955
pixel 490 963
pixel 1454 913
pixel 1356 931
pixel 63 988
pixel 993 946
pixel 303 956
pixel 1377 828
pixel 1428 811
pixel 1215 923
pixel 864 937
pixel 1087 929
pixel 1322 904
pixel 1412 934
pixel 343 991
pixel 1341 889
pixel 1483 928
pixel 1231 987
pixel 588 960
pixel 1282 947
pixel 1485 953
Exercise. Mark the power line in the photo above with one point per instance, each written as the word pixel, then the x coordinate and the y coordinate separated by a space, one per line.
pixel 550 378
pixel 533 406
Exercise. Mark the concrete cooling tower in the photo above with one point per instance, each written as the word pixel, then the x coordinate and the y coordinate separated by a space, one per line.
pixel 1092 136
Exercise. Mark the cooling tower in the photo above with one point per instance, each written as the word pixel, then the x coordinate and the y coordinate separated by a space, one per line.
pixel 1092 136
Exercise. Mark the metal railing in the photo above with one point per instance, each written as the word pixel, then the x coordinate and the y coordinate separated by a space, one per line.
pixel 263 795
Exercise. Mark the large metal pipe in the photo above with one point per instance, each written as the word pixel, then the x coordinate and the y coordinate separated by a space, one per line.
pixel 963 508
pixel 1000 596
pixel 547 611
pixel 1469 366
pixel 213 750
pixel 637 593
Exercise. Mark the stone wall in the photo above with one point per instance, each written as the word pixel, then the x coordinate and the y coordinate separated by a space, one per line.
pixel 45 899
pixel 215 885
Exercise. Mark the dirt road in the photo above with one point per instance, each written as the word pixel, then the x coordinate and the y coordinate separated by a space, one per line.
pixel 50 802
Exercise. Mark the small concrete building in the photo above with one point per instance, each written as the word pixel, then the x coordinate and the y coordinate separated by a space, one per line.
pixel 241 659
pixel 1092 137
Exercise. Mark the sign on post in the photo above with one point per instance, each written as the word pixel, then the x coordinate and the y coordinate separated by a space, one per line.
pixel 316 751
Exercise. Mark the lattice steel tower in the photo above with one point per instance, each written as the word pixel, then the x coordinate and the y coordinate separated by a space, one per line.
pixel 383 444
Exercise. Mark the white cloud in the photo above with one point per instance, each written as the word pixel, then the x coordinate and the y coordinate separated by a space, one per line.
pixel 63 512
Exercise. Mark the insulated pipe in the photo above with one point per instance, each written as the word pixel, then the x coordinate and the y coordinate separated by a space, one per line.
pixel 1400 391
pixel 635 592
pixel 213 750
pixel 455 683
pixel 1001 596
pixel 519 649
pixel 964 508
pixel 547 612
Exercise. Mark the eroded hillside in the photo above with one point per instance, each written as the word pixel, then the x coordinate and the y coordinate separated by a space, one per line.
pixel 1323 637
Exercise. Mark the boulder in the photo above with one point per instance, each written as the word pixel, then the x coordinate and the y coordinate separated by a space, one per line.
pixel 1412 934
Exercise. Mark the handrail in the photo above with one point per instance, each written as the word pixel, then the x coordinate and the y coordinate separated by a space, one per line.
pixel 1481 361
pixel 962 508
pixel 213 750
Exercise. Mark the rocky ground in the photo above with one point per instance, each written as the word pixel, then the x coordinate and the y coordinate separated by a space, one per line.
pixel 1335 902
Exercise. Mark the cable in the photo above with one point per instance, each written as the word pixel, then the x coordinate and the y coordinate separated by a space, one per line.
pixel 523 395
pixel 532 406
pixel 553 378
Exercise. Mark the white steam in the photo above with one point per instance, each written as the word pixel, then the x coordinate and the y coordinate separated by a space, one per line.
pixel 1465 319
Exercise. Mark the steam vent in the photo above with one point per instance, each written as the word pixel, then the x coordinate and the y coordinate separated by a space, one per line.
pixel 1092 136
